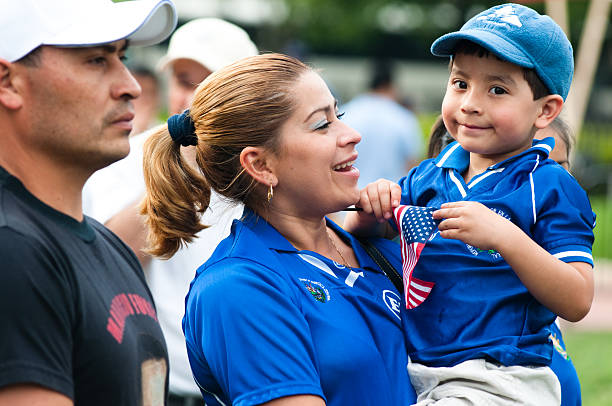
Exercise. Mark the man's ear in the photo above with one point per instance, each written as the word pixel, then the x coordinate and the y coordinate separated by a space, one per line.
pixel 550 108
pixel 9 96
pixel 259 164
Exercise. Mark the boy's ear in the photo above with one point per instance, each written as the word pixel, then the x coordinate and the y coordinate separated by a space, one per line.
pixel 9 96
pixel 550 108
pixel 259 164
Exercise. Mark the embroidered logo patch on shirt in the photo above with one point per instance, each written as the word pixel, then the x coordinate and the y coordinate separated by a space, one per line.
pixel 393 302
pixel 492 253
pixel 558 347
pixel 318 291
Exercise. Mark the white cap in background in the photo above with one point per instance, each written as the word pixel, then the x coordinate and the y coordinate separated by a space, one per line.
pixel 212 42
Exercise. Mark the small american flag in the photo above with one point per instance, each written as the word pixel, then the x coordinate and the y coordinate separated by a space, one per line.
pixel 416 225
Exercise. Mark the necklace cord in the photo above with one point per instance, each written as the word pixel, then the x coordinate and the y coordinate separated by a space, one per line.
pixel 345 262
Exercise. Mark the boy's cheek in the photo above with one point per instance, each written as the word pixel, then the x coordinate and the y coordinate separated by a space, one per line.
pixel 447 115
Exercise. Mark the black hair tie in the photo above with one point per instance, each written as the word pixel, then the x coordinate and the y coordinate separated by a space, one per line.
pixel 182 129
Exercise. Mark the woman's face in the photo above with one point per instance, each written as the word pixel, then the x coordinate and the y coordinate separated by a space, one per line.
pixel 314 166
pixel 559 152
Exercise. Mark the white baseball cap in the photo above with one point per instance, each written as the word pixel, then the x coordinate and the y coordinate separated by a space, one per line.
pixel 212 42
pixel 27 24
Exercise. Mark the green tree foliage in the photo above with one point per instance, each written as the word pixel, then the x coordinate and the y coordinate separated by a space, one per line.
pixel 389 28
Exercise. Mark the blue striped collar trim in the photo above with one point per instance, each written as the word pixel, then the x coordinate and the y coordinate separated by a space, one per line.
pixel 455 157
pixel 278 242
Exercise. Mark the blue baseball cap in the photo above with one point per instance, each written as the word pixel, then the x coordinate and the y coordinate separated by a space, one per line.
pixel 519 35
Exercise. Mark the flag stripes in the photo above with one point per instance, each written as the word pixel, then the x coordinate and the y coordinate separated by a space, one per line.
pixel 416 225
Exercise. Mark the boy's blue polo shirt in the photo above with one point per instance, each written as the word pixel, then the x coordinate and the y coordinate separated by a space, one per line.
pixel 478 307
pixel 264 321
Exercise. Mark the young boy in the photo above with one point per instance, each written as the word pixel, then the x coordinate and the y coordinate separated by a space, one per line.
pixel 514 245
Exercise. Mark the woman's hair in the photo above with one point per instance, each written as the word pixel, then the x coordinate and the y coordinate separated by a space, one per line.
pixel 243 104
pixel 564 132
pixel 438 138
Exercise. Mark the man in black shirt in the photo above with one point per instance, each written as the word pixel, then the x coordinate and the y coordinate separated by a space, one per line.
pixel 79 326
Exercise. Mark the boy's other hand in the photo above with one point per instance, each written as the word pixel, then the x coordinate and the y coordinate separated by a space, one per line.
pixel 379 198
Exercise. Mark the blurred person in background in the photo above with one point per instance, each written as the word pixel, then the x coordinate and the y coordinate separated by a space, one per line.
pixel 146 107
pixel 564 141
pixel 391 137
pixel 196 49
pixel 79 326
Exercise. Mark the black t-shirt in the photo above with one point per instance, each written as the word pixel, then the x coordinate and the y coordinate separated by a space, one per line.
pixel 75 311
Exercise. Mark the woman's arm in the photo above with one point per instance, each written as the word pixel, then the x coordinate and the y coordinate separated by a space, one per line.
pixel 34 395
pixel 300 400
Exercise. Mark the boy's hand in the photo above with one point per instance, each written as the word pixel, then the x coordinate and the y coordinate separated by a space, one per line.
pixel 377 199
pixel 380 198
pixel 473 223
pixel 564 288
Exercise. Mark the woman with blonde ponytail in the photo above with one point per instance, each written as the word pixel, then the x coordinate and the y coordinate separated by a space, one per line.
pixel 289 309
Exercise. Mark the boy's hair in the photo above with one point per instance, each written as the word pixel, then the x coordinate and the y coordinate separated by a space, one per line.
pixel 519 35
pixel 538 88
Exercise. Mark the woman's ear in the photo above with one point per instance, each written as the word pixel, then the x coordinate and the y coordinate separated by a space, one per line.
pixel 9 96
pixel 550 108
pixel 258 163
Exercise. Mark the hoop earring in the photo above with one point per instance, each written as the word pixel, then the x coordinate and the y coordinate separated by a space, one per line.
pixel 270 193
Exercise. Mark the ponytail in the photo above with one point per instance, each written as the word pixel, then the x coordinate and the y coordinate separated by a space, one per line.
pixel 177 195
pixel 243 104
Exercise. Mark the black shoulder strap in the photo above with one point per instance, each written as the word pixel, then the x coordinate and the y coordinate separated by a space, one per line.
pixel 384 265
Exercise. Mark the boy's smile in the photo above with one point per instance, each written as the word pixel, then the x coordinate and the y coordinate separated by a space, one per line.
pixel 489 108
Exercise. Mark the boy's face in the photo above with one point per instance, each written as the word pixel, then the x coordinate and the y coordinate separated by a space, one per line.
pixel 489 108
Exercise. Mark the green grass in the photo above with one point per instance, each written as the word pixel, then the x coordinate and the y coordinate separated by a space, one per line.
pixel 591 353
pixel 602 248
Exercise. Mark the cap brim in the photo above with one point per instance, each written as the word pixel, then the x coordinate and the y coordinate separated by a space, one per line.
pixel 163 63
pixel 446 45
pixel 143 22
pixel 167 60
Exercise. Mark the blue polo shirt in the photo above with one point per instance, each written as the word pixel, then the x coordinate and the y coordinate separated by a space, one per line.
pixel 478 307
pixel 264 321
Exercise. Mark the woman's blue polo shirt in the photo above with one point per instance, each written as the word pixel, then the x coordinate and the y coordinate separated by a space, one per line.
pixel 264 321
pixel 478 307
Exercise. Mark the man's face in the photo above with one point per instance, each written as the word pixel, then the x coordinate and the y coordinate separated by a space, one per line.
pixel 77 105
pixel 186 76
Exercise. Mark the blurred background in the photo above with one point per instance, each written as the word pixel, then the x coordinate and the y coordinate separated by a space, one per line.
pixel 345 39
